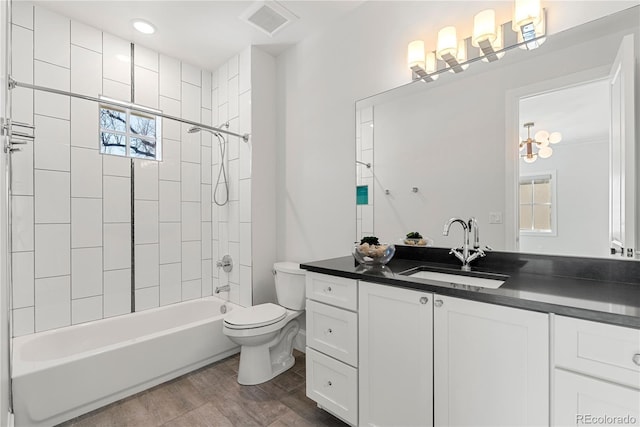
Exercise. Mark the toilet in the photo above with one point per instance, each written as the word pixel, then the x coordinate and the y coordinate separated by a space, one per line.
pixel 266 332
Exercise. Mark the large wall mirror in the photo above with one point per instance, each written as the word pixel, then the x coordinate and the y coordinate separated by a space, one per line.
pixel 451 148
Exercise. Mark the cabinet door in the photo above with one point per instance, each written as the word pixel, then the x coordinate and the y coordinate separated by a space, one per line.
pixel 581 400
pixel 491 364
pixel 395 356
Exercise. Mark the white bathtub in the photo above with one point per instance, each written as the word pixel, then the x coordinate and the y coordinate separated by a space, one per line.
pixel 63 373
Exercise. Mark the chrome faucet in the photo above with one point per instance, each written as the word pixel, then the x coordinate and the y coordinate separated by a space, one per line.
pixel 464 254
pixel 224 288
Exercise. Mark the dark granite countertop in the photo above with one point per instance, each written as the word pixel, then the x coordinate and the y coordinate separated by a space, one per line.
pixel 599 290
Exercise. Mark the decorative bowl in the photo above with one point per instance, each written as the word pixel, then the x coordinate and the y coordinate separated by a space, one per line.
pixel 424 241
pixel 373 254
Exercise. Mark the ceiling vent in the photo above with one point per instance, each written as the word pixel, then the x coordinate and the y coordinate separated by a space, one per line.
pixel 268 16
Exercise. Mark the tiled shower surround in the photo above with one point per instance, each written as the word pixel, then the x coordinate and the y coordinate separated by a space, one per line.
pixel 72 239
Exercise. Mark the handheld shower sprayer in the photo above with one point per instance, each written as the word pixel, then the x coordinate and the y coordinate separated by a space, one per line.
pixel 222 172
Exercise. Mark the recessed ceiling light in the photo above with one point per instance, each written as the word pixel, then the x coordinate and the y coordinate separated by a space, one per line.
pixel 143 26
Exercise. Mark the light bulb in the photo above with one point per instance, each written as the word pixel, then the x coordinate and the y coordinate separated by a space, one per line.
pixel 415 54
pixel 484 27
pixel 526 12
pixel 431 65
pixel 555 137
pixel 543 143
pixel 545 152
pixel 541 135
pixel 530 159
pixel 447 42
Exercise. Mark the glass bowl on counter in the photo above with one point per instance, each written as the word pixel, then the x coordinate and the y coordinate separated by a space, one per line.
pixel 373 254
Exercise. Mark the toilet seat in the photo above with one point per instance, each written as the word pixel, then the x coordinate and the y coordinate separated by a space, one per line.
pixel 255 317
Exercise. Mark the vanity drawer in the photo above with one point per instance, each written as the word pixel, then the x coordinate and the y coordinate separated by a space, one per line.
pixel 333 331
pixel 604 351
pixel 333 385
pixel 333 290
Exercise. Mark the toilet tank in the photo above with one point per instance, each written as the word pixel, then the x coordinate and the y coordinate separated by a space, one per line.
pixel 290 285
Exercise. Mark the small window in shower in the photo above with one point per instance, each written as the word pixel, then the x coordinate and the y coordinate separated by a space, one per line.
pixel 130 130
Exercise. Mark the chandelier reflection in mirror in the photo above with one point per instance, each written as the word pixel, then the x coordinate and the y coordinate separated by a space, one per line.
pixel 541 141
pixel 488 43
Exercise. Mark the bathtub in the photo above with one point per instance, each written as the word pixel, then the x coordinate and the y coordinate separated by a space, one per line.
pixel 63 373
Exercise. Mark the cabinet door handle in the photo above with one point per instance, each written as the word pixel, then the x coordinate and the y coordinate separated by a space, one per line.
pixel 424 300
pixel 329 383
pixel 327 289
pixel 636 359
pixel 329 331
pixel 438 303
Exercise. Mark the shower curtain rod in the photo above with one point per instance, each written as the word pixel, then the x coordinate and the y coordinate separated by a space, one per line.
pixel 14 83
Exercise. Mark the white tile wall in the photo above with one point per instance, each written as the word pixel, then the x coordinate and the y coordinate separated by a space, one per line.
pixel 23 279
pixel 147 272
pixel 191 260
pixel 52 37
pixel 52 199
pixel 86 272
pixel 190 221
pixel 170 284
pixel 170 206
pixel 22 14
pixel 169 77
pixel 170 242
pixel 146 221
pixel 86 173
pixel 117 199
pixel 147 298
pixel 82 198
pixel 22 223
pixel 146 58
pixel 53 76
pixel 191 289
pixel 117 246
pixel 53 302
pixel 85 36
pixel 84 126
pixel 146 87
pixel 86 222
pixel 86 309
pixel 116 59
pixel 53 250
pixel 86 71
pixel 117 292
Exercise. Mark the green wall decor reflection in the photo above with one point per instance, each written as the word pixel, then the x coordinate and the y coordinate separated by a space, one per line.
pixel 362 194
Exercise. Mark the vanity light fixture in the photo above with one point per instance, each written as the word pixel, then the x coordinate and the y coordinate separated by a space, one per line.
pixel 491 39
pixel 143 26
pixel 541 141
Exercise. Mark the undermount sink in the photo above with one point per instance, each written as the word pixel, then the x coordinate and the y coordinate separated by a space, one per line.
pixel 479 280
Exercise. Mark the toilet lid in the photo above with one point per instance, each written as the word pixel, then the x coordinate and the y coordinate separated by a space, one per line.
pixel 256 316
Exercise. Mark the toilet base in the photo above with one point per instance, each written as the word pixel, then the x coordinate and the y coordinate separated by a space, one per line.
pixel 259 364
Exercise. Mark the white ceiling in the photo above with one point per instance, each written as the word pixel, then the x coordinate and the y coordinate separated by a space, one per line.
pixel 205 33
pixel 580 113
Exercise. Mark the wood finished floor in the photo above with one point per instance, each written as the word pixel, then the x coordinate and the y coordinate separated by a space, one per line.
pixel 211 396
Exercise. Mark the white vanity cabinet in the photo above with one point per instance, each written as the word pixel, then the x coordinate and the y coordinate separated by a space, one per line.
pixel 491 364
pixel 396 356
pixel 332 344
pixel 597 373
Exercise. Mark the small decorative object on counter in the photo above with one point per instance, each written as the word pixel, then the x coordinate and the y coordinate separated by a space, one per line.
pixel 415 239
pixel 371 252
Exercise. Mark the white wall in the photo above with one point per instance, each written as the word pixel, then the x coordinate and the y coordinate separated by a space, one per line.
pixel 72 205
pixel 319 81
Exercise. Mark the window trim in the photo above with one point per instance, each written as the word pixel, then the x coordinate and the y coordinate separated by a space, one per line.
pixel 130 108
pixel 553 180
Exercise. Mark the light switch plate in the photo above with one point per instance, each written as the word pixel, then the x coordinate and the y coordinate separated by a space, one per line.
pixel 495 217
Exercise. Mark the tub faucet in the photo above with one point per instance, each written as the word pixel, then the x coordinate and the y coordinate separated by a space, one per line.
pixel 224 288
pixel 464 254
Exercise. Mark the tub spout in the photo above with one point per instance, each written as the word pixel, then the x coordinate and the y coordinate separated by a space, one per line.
pixel 225 288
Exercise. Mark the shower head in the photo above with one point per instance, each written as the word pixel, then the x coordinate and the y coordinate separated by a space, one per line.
pixel 194 129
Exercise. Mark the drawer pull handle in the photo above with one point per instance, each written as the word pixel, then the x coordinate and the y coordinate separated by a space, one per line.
pixel 438 303
pixel 329 331
pixel 424 300
pixel 327 289
pixel 636 359
pixel 329 383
